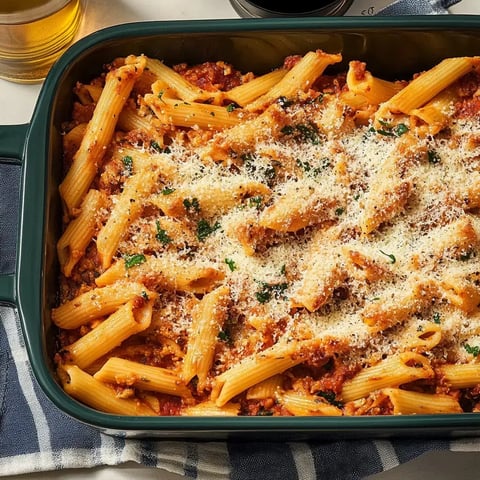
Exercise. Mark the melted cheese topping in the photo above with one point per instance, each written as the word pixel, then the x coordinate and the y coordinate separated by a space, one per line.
pixel 384 241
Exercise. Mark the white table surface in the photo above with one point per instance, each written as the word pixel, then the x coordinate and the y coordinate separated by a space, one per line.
pixel 17 102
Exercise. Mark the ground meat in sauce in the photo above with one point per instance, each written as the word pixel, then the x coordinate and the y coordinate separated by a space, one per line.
pixel 211 76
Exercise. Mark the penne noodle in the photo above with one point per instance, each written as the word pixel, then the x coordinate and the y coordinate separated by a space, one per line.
pixel 84 387
pixel 396 370
pixel 99 132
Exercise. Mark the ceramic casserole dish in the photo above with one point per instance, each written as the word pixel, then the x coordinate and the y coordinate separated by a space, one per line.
pixel 394 47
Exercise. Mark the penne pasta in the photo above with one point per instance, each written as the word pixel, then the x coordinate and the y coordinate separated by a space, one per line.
pixel 110 333
pixel 99 132
pixel 301 242
pixel 396 370
pixel 144 377
pixel 84 387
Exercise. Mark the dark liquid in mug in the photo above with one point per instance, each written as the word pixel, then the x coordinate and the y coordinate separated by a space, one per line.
pixel 296 6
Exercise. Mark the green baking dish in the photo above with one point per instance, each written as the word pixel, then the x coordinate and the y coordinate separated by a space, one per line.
pixel 392 47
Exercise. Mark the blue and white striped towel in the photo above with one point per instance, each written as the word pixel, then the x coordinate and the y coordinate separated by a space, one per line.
pixel 35 436
pixel 417 7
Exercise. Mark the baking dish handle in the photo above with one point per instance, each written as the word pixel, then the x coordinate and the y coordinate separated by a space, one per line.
pixel 12 144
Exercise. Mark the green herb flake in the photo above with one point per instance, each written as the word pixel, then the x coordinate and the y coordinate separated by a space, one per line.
pixel 262 412
pixel 433 157
pixel 330 397
pixel 255 202
pixel 287 130
pixel 230 107
pixel 204 229
pixel 154 145
pixel 128 164
pixel 339 211
pixel 134 260
pixel 305 166
pixel 400 129
pixel 309 133
pixel 269 290
pixel 390 256
pixel 475 351
pixel 390 130
pixel 191 204
pixel 224 336
pixel 162 235
pixel 464 256
pixel 167 190
pixel 284 102
pixel 436 318
pixel 385 133
pixel 144 295
pixel 231 264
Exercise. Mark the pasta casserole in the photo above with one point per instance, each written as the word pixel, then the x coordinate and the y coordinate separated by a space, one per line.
pixel 297 242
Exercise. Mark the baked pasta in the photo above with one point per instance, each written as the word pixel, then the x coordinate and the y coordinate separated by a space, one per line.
pixel 297 242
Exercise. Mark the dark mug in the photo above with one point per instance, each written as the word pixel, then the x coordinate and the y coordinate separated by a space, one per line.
pixel 298 8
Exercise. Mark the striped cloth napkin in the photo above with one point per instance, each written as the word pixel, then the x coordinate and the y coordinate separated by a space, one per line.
pixel 35 436
pixel 417 7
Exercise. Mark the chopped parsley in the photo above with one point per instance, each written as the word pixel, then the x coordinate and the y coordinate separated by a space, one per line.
pixel 133 260
pixel 330 397
pixel 262 412
pixel 224 336
pixel 162 235
pixel 204 229
pixel 230 107
pixel 308 168
pixel 475 351
pixel 128 164
pixel 400 129
pixel 389 130
pixel 433 157
pixel 287 130
pixel 390 256
pixel 154 145
pixel 269 290
pixel 339 211
pixel 256 202
pixel 191 204
pixel 231 264
pixel 284 102
pixel 436 318
pixel 267 172
pixel 464 256
pixel 167 190
pixel 305 132
pixel 309 133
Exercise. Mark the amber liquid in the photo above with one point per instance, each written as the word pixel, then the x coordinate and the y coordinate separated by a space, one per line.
pixel 33 33
pixel 15 6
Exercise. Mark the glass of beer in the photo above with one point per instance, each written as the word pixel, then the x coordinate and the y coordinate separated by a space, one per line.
pixel 298 8
pixel 33 33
